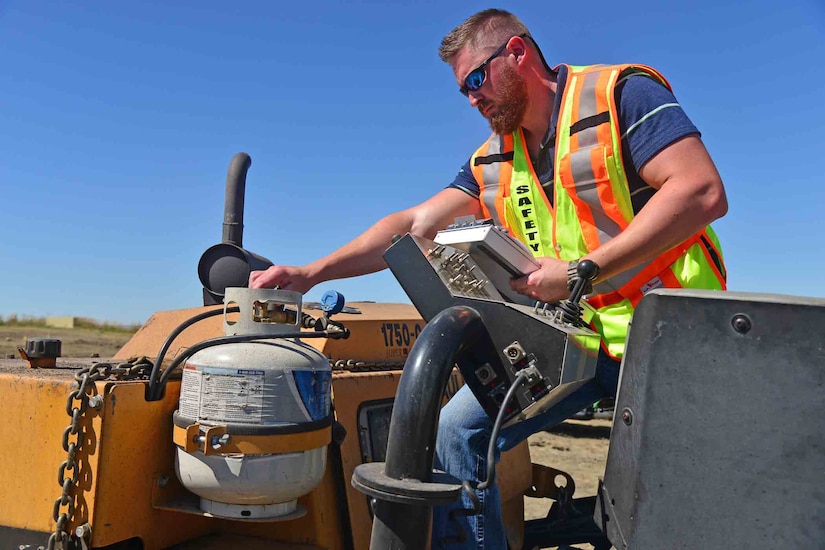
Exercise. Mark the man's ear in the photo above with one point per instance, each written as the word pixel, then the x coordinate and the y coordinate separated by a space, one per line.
pixel 518 46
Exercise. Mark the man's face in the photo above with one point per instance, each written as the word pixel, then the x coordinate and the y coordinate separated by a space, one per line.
pixel 505 110
pixel 502 98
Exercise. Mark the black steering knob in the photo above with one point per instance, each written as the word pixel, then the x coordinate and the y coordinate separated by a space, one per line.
pixel 587 270
pixel 586 273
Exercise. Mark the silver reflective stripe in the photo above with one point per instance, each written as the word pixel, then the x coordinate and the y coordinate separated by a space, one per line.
pixel 490 174
pixel 617 281
pixel 586 190
pixel 587 108
pixel 585 183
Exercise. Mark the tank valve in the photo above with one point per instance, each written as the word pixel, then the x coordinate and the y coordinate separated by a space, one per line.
pixel 268 312
pixel 332 302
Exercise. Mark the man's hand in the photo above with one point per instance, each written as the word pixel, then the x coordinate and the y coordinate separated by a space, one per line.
pixel 286 277
pixel 365 253
pixel 548 283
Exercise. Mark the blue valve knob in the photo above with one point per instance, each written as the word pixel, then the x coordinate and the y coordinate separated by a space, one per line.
pixel 332 302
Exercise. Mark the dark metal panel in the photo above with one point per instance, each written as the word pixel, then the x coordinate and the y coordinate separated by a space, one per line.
pixel 564 354
pixel 718 434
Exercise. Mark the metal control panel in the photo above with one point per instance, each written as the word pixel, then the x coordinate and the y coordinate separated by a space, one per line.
pixel 519 335
pixel 492 249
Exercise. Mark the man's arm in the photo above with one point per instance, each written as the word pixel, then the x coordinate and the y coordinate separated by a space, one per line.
pixel 689 196
pixel 364 254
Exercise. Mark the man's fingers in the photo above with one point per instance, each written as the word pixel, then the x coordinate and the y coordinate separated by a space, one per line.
pixel 519 284
pixel 259 279
pixel 254 277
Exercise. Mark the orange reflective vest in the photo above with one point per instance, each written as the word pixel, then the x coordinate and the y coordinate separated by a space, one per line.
pixel 591 200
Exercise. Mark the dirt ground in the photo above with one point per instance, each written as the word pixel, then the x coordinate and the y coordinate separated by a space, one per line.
pixel 75 342
pixel 578 447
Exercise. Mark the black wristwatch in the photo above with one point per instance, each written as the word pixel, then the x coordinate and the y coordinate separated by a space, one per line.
pixel 572 274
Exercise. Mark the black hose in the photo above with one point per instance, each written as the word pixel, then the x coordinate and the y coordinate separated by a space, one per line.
pixel 164 377
pixel 521 378
pixel 467 486
pixel 153 377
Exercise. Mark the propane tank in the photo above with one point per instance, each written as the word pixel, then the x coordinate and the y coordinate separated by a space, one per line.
pixel 254 418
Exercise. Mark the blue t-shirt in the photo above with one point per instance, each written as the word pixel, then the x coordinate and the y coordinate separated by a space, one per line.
pixel 650 119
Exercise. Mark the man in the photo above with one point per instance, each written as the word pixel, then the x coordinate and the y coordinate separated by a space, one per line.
pixel 584 162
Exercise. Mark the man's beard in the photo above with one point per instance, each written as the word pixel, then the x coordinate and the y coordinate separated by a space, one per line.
pixel 511 103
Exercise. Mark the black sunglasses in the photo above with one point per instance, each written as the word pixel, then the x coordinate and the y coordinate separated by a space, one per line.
pixel 477 76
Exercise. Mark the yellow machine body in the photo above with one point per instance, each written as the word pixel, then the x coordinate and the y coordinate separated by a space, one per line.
pixel 127 485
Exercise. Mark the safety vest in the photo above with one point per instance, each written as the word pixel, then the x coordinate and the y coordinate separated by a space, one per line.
pixel 591 200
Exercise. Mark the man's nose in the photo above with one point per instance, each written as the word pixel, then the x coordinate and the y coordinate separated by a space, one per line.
pixel 475 98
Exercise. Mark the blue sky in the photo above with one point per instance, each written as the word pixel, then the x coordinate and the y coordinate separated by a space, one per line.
pixel 118 121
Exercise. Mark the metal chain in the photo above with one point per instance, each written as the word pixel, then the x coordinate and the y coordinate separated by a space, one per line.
pixel 77 404
pixel 363 366
pixel 352 365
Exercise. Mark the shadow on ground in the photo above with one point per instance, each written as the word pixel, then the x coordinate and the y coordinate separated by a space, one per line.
pixel 582 429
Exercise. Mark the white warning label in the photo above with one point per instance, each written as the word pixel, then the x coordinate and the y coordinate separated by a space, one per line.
pixel 231 395
pixel 190 394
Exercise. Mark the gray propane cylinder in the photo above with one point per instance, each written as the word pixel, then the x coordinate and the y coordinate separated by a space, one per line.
pixel 266 387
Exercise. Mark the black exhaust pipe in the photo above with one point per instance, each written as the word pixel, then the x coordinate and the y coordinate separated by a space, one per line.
pixel 234 203
pixel 228 264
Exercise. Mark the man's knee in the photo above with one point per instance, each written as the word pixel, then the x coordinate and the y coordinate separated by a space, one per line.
pixel 462 415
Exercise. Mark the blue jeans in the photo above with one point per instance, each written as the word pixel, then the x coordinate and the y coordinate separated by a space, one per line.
pixel 461 449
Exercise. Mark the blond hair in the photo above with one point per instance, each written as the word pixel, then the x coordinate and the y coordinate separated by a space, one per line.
pixel 487 29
